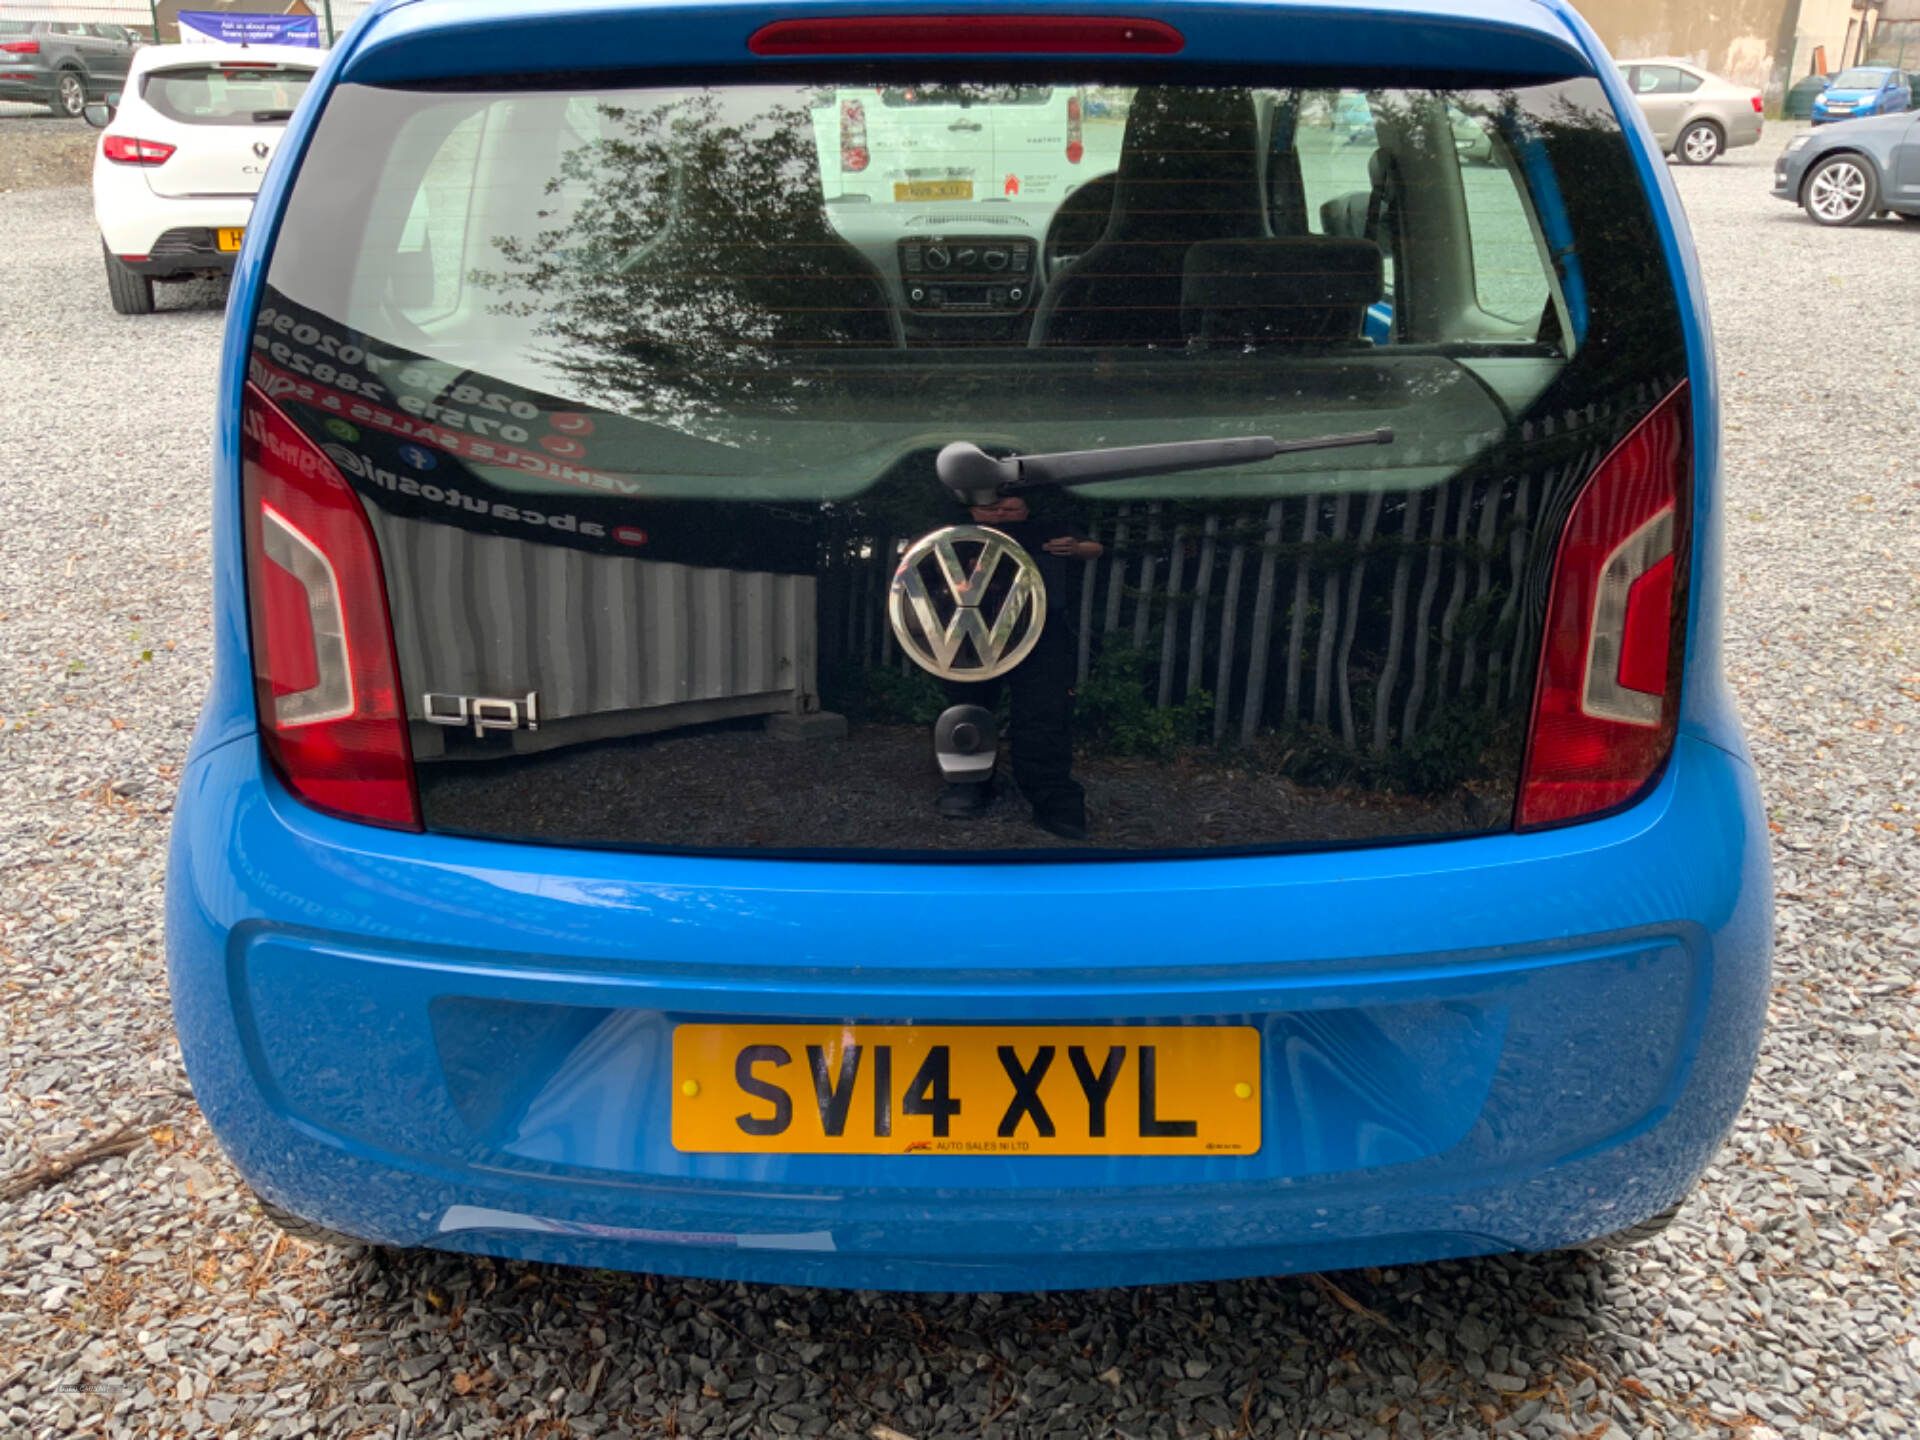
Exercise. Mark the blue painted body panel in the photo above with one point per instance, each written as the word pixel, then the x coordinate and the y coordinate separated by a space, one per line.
pixel 1514 1041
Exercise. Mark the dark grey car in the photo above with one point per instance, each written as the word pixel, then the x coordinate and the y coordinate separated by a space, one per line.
pixel 63 63
pixel 1844 174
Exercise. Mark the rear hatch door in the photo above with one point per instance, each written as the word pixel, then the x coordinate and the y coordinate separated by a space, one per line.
pixel 225 120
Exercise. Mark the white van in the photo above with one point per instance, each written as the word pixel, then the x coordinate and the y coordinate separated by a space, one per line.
pixel 1024 146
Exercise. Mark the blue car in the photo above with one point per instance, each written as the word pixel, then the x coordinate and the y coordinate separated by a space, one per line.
pixel 951 741
pixel 1862 91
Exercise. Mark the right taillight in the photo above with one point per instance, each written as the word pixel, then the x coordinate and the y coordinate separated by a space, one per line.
pixel 853 135
pixel 125 150
pixel 1075 148
pixel 1607 699
pixel 325 680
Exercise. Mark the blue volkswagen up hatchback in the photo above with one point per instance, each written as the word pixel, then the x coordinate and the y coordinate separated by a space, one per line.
pixel 895 647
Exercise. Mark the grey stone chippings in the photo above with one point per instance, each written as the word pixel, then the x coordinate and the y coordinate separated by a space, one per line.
pixel 145 1296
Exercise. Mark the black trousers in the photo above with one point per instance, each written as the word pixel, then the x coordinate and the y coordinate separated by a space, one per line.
pixel 1040 695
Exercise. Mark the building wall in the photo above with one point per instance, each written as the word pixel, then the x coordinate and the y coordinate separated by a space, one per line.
pixel 1740 39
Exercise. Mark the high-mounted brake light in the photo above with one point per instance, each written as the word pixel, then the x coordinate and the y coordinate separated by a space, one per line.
pixel 20 47
pixel 1607 700
pixel 854 154
pixel 967 35
pixel 324 676
pixel 125 150
pixel 1076 149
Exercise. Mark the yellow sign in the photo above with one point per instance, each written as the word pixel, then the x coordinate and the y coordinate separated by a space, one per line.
pixel 228 239
pixel 932 190
pixel 967 1089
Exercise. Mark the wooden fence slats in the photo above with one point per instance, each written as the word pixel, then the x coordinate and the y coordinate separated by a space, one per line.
pixel 1355 578
pixel 1149 563
pixel 1456 597
pixel 1117 573
pixel 1296 629
pixel 1197 626
pixel 1329 620
pixel 1489 519
pixel 1260 653
pixel 1170 630
pixel 1083 660
pixel 1229 622
pixel 1396 625
pixel 1422 627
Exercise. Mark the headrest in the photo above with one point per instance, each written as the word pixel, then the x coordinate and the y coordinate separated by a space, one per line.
pixel 1189 166
pixel 1303 291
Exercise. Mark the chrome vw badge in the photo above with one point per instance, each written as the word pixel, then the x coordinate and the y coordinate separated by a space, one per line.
pixel 939 603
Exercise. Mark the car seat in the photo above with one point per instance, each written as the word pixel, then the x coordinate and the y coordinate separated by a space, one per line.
pixel 1187 173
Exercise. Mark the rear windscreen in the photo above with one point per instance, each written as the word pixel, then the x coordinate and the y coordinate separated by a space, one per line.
pixel 227 95
pixel 642 388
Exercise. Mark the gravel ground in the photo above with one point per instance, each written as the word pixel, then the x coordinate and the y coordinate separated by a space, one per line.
pixel 144 1296
pixel 40 152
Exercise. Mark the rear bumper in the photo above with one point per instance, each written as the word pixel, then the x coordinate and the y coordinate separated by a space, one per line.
pixel 24 86
pixel 184 250
pixel 1518 1042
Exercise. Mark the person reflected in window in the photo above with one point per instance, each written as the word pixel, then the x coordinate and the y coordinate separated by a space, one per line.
pixel 1040 688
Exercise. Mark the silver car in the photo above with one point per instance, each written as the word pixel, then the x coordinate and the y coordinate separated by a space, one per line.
pixel 1696 116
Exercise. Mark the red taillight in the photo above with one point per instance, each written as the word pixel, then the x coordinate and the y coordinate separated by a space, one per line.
pixel 853 135
pixel 20 47
pixel 966 35
pixel 1759 106
pixel 1075 149
pixel 1608 695
pixel 324 676
pixel 125 150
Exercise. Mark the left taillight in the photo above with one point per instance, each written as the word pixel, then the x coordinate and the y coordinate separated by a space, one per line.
pixel 1607 699
pixel 1076 149
pixel 324 676
pixel 125 150
pixel 854 154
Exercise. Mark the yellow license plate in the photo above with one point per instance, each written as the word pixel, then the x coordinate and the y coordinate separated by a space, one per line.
pixel 967 1089
pixel 933 190
pixel 228 239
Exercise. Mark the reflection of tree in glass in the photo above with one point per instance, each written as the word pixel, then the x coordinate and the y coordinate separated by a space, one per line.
pixel 696 271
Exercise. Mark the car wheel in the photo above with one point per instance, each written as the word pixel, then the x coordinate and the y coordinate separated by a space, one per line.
pixel 1841 190
pixel 70 94
pixel 1700 143
pixel 130 291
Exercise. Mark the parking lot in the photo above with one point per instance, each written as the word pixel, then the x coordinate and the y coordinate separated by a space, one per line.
pixel 144 1295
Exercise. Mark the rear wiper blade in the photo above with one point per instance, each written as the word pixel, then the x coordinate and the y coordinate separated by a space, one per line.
pixel 267 117
pixel 979 478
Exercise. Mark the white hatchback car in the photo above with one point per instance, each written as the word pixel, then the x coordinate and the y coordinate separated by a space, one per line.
pixel 186 144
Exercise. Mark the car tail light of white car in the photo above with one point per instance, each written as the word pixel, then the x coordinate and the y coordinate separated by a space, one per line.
pixel 1076 147
pixel 125 150
pixel 1606 704
pixel 854 154
pixel 325 679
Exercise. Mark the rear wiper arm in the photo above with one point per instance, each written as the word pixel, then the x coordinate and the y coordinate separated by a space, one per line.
pixel 979 478
pixel 267 117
